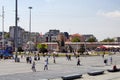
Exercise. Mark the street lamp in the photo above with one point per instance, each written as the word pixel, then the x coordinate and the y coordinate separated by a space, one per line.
pixel 30 28
pixel 85 46
pixel 30 19
pixel 15 30
pixel 3 43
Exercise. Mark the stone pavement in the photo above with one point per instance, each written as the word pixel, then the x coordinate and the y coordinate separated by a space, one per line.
pixel 9 70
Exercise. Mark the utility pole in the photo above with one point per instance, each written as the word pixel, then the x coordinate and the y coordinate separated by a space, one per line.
pixel 16 30
pixel 30 19
pixel 3 44
pixel 30 28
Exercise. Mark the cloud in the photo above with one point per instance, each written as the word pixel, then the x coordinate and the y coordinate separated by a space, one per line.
pixel 113 14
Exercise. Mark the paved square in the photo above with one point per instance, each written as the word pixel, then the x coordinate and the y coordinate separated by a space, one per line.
pixel 10 70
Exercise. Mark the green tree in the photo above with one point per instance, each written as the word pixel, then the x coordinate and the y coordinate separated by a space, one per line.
pixel 82 49
pixel 76 39
pixel 108 40
pixel 92 39
pixel 42 48
pixel 6 35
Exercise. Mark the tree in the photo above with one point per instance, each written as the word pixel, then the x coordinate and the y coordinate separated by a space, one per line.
pixel 92 39
pixel 6 35
pixel 108 40
pixel 68 48
pixel 82 49
pixel 42 48
pixel 76 39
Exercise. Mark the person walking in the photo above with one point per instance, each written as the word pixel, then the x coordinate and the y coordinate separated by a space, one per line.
pixel 111 60
pixel 27 59
pixel 30 59
pixel 33 66
pixel 35 57
pixel 105 61
pixel 38 56
pixel 78 62
pixel 46 65
pixel 47 60
pixel 54 61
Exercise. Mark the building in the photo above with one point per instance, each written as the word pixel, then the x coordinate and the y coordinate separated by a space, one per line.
pixel 117 39
pixel 20 35
pixel 88 36
pixel 51 36
pixel 35 37
pixel 61 42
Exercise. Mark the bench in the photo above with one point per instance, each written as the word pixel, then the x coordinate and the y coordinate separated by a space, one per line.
pixel 94 73
pixel 71 77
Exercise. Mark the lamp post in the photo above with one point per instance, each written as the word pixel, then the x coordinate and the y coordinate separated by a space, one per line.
pixel 86 46
pixel 3 44
pixel 30 28
pixel 30 19
pixel 15 30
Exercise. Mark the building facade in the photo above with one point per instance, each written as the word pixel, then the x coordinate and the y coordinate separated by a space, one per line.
pixel 20 34
pixel 117 39
pixel 51 36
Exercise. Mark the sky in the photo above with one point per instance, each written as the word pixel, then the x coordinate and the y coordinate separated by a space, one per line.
pixel 98 17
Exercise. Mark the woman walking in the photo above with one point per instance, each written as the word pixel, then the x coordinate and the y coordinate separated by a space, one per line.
pixel 46 65
pixel 33 67
pixel 78 62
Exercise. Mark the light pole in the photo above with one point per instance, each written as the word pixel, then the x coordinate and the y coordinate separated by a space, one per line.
pixel 86 46
pixel 3 44
pixel 30 19
pixel 15 30
pixel 30 28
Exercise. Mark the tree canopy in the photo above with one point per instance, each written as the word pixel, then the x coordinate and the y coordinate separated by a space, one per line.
pixel 42 47
pixel 92 39
pixel 108 40
pixel 76 39
pixel 82 49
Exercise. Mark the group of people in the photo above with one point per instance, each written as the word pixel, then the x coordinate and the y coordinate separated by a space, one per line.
pixel 45 65
pixel 111 62
pixel 78 63
pixel 68 57
pixel 29 58
pixel 46 62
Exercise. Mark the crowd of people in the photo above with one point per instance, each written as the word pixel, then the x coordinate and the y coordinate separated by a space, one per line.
pixel 33 58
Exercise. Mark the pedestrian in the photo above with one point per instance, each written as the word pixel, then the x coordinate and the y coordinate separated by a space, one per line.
pixel 35 57
pixel 69 56
pixel 33 66
pixel 105 61
pixel 102 55
pixel 27 59
pixel 111 59
pixel 54 59
pixel 78 62
pixel 47 60
pixel 46 65
pixel 30 59
pixel 38 56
